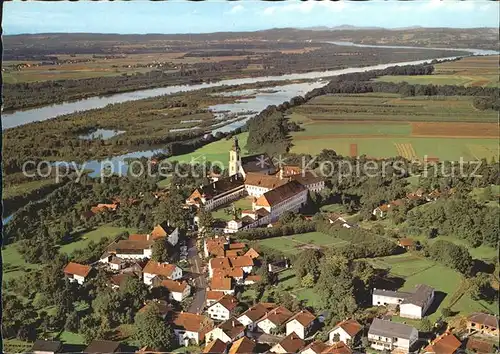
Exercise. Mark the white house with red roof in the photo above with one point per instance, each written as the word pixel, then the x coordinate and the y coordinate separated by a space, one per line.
pixel 163 270
pixel 223 309
pixel 76 272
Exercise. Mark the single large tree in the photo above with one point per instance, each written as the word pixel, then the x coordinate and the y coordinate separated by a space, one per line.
pixel 152 331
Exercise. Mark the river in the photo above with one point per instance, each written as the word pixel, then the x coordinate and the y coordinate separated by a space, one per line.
pixel 17 118
pixel 262 98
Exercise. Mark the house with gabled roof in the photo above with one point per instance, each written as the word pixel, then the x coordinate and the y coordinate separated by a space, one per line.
pixel 222 284
pixel 190 327
pixel 345 331
pixel 292 343
pixel 177 290
pixel 46 347
pixel 251 316
pixel 77 272
pixel 215 246
pixel 337 348
pixel 316 347
pixel 242 346
pixel 213 296
pixel 162 270
pixel 215 346
pixel 103 346
pixel 446 343
pixel 274 319
pixel 223 309
pixel 252 253
pixel 131 249
pixel 227 332
pixel 301 323
pixel 388 335
pixel 170 233
pixel 411 304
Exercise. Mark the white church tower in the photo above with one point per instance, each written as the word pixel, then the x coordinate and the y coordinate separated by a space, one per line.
pixel 234 158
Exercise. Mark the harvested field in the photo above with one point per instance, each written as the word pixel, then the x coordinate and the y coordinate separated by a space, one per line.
pixel 471 130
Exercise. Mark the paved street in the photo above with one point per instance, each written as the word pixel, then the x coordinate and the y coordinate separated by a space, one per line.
pixel 199 278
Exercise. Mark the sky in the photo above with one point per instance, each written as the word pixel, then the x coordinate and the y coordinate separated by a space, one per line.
pixel 246 15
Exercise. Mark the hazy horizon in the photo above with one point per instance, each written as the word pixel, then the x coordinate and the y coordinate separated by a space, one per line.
pixel 174 17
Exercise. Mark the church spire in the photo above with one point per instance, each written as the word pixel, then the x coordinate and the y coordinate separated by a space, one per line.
pixel 236 146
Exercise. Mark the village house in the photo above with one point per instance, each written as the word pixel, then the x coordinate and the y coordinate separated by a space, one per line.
pixel 309 180
pixel 177 290
pixel 446 343
pixel 346 331
pixel 118 280
pixel 290 196
pixel 46 347
pixel 103 346
pixel 228 263
pixel 215 246
pixel 162 270
pixel 223 309
pixel 337 348
pixel 483 323
pixel 292 343
pixel 218 193
pixel 190 328
pixel 170 233
pixel 222 284
pixel 227 332
pixel 213 296
pixel 216 346
pixel 251 316
pixel 406 243
pixel 129 249
pixel 274 319
pixel 242 346
pixel 252 279
pixel 387 335
pixel 252 253
pixel 301 323
pixel 411 305
pixel 104 207
pixel 337 219
pixel 316 347
pixel 76 272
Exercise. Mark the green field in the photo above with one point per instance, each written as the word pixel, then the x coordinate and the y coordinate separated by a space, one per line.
pixel 82 240
pixel 243 204
pixel 294 243
pixel 472 71
pixel 216 151
pixel 416 270
pixel 288 280
pixel 383 125
pixel 13 264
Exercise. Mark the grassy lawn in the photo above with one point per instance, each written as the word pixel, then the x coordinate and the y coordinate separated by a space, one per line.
pixel 307 295
pixel 13 264
pixel 71 338
pixel 164 183
pixel 447 283
pixel 82 240
pixel 333 208
pixel 294 243
pixel 216 151
pixel 27 187
pixel 243 204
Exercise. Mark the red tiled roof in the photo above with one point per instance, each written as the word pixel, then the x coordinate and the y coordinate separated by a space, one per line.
pixel 192 322
pixel 317 346
pixel 242 346
pixel 164 269
pixel 221 283
pixel 280 194
pixel 216 346
pixel 258 311
pixel 77 269
pixel 229 302
pixel 351 326
pixel 252 253
pixel 292 343
pixel 174 286
pixel 232 327
pixel 338 348
pixel 214 295
pixel 446 343
pixel 304 317
pixel 278 315
pixel 406 242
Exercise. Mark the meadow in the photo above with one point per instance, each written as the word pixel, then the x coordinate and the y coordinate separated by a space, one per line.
pixel 294 243
pixel 471 71
pixel 216 151
pixel 382 125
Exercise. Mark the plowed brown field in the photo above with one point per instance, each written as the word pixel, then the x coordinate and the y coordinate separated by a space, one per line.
pixel 472 130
